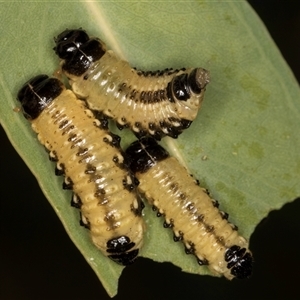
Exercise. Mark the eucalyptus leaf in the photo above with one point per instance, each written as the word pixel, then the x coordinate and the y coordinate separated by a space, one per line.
pixel 244 145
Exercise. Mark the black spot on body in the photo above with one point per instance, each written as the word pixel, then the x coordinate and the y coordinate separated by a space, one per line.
pixel 202 262
pixel 76 201
pixel 114 141
pixel 67 184
pixel 138 211
pixel 60 169
pixel 90 169
pixel 189 249
pixel 178 237
pixel 84 222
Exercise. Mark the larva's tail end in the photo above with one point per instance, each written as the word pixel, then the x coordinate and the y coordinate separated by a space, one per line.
pixel 239 262
pixel 243 268
pixel 119 250
pixel 126 258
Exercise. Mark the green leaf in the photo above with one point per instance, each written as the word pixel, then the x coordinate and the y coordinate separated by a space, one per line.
pixel 244 145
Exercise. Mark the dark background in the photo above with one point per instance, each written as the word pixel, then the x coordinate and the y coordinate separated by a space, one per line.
pixel 41 262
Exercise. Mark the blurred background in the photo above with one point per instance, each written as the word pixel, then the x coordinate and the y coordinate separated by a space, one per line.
pixel 41 262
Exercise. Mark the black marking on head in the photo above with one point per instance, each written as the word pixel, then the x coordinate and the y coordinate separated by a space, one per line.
pixel 69 41
pixel 239 261
pixel 78 50
pixel 37 94
pixel 144 154
pixel 119 248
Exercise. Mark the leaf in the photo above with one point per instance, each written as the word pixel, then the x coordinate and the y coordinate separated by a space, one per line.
pixel 244 144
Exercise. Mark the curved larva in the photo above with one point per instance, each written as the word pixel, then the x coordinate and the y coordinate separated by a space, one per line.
pixel 149 103
pixel 91 159
pixel 189 211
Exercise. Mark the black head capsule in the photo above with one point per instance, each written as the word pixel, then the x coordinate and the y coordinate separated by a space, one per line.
pixel 78 50
pixel 37 93
pixel 69 41
pixel 145 153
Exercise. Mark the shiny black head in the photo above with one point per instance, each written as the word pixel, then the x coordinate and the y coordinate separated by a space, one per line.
pixel 78 50
pixel 239 261
pixel 119 249
pixel 145 153
pixel 37 93
pixel 69 41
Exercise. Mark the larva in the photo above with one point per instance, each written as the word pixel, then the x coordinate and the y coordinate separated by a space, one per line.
pixel 189 211
pixel 91 159
pixel 149 103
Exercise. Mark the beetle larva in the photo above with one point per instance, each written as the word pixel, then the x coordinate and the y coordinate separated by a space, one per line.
pixel 189 211
pixel 93 164
pixel 149 103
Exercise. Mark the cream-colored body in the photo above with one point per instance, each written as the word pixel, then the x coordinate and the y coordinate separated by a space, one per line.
pixel 108 87
pixel 169 187
pixel 70 132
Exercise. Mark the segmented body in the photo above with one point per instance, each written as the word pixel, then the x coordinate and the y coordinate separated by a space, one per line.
pixel 189 211
pixel 149 103
pixel 91 159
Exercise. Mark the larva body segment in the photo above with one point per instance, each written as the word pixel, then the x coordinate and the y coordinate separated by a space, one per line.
pixel 91 159
pixel 189 211
pixel 149 103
